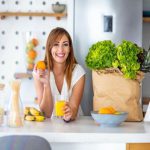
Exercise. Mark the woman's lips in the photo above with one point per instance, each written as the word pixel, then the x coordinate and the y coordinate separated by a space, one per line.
pixel 60 55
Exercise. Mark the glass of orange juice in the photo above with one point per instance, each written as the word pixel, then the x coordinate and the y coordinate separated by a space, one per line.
pixel 60 101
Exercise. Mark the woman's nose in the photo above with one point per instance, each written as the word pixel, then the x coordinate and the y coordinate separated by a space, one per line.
pixel 60 47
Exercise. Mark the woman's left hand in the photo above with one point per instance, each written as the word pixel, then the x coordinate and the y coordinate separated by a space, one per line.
pixel 67 112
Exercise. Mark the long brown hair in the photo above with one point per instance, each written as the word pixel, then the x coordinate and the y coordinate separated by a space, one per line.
pixel 56 34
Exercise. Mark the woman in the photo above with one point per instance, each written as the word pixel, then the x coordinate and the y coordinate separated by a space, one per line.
pixel 63 75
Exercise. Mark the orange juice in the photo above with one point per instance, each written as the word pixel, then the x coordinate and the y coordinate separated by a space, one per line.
pixel 59 104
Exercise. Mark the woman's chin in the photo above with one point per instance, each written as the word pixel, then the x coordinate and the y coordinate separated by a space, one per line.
pixel 60 61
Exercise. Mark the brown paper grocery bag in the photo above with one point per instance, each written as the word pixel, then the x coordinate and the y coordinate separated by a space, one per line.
pixel 112 89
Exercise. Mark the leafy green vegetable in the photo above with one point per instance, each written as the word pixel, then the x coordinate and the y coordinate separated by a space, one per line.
pixel 127 57
pixel 101 55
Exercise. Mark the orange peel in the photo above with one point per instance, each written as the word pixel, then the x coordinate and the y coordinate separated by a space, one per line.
pixel 32 54
pixel 35 41
pixel 41 65
pixel 107 110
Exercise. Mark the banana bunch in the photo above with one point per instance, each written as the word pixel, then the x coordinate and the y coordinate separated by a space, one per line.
pixel 33 114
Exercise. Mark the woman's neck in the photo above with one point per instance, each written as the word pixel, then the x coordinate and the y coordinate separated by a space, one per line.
pixel 59 69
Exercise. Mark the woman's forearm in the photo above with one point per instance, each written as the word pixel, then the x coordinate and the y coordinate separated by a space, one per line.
pixel 46 104
pixel 39 89
pixel 74 112
pixel 76 97
pixel 43 92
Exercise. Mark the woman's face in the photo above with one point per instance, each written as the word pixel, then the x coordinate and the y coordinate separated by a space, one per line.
pixel 60 50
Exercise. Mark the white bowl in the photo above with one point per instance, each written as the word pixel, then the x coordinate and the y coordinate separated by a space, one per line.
pixel 109 119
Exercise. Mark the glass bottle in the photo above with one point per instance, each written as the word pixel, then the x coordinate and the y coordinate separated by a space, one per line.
pixel 15 116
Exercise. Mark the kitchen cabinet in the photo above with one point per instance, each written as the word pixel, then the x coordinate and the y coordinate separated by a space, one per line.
pixel 37 14
pixel 138 146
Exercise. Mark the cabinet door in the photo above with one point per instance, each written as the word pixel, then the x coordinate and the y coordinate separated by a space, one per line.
pixel 138 146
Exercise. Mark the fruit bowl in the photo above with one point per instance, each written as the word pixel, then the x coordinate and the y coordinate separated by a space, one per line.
pixel 111 120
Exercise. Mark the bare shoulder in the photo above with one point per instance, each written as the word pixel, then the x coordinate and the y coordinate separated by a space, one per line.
pixel 78 75
pixel 78 69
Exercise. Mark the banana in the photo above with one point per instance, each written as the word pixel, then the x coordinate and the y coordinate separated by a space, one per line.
pixel 27 111
pixel 30 118
pixel 39 118
pixel 41 114
pixel 33 114
pixel 34 111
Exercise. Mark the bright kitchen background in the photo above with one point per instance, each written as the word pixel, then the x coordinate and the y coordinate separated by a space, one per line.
pixel 13 42
pixel 13 38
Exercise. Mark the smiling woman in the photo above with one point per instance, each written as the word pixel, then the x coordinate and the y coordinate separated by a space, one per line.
pixel 60 50
pixel 64 76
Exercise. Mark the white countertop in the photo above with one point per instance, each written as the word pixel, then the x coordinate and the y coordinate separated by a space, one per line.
pixel 84 129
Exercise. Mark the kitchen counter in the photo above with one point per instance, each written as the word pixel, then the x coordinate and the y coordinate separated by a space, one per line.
pixel 84 129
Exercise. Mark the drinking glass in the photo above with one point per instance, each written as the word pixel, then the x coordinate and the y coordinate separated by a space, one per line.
pixel 60 101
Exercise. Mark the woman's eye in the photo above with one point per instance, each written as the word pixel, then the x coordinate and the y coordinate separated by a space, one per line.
pixel 55 44
pixel 66 44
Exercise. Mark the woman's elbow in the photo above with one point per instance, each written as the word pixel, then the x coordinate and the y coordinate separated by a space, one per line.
pixel 47 114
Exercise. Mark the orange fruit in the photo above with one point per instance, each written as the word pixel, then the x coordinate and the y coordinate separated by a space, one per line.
pixel 104 111
pixel 117 113
pixel 107 110
pixel 35 42
pixel 32 54
pixel 30 66
pixel 112 109
pixel 41 65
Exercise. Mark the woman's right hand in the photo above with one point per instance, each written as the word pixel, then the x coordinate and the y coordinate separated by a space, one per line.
pixel 41 75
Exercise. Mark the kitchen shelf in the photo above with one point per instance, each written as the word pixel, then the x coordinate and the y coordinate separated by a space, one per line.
pixel 22 75
pixel 146 19
pixel 37 14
